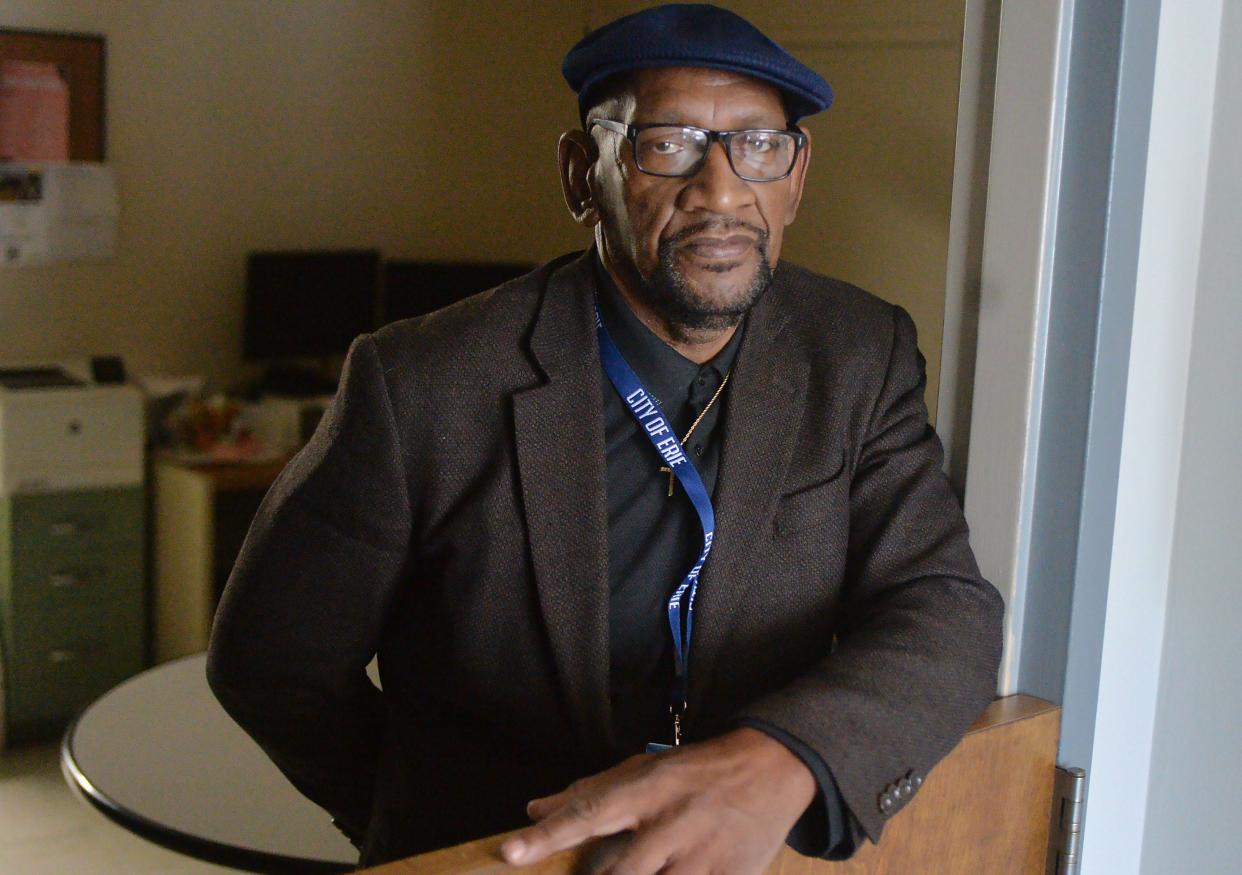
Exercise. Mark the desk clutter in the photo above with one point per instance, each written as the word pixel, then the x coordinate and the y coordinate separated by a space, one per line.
pixel 224 430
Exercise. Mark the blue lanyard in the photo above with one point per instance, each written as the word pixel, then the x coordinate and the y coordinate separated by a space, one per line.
pixel 659 431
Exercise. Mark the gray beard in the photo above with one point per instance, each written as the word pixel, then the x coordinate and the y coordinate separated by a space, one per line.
pixel 673 298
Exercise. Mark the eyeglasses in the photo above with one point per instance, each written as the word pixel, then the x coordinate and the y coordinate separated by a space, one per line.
pixel 756 155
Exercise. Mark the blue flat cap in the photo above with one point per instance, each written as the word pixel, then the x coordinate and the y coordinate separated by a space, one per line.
pixel 691 35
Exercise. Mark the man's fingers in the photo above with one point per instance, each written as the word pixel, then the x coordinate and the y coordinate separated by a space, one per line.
pixel 691 843
pixel 585 816
pixel 690 814
pixel 538 809
pixel 649 852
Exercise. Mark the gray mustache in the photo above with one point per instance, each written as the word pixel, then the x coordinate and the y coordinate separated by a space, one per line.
pixel 716 225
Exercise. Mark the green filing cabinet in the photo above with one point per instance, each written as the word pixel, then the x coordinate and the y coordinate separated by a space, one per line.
pixel 72 556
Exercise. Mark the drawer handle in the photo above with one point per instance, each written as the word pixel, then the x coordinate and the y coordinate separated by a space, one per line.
pixel 66 579
pixel 60 657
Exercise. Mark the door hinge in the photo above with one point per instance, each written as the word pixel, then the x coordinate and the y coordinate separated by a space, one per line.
pixel 1065 842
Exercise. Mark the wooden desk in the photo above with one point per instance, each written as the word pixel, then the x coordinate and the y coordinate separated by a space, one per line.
pixel 986 809
pixel 201 514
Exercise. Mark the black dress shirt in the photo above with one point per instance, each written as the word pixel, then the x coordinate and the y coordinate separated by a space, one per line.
pixel 654 539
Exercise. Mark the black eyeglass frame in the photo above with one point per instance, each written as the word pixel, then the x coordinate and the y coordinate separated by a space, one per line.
pixel 631 132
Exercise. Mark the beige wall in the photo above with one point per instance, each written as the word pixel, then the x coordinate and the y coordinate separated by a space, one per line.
pixel 241 124
pixel 876 208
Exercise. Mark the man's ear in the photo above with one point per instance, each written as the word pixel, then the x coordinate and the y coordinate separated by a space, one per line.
pixel 797 177
pixel 576 152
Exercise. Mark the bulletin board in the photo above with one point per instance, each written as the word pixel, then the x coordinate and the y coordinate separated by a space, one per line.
pixel 51 96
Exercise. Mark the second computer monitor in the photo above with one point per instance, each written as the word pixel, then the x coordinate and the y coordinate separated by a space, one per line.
pixel 412 288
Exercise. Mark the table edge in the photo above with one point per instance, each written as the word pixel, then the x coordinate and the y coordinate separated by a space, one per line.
pixel 198 847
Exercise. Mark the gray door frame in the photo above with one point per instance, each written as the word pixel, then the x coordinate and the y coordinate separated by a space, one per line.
pixel 1083 292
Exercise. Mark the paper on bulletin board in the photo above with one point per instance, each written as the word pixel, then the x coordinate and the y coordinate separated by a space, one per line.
pixel 56 212
pixel 34 111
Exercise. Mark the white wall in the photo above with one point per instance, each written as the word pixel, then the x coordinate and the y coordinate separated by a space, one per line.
pixel 1016 277
pixel 1194 797
pixel 423 129
pixel 1161 369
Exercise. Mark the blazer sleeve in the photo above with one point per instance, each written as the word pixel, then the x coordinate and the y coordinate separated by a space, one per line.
pixel 300 617
pixel 919 632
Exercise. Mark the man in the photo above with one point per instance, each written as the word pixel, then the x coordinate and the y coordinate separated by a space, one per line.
pixel 532 503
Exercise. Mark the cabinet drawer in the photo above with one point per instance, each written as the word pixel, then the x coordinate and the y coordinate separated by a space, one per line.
pixel 60 660
pixel 72 523
pixel 111 572
pixel 51 633
pixel 56 689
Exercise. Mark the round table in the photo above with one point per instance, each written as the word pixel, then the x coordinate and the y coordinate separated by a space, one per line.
pixel 159 756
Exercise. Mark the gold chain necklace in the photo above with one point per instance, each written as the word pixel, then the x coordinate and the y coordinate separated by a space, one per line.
pixel 672 478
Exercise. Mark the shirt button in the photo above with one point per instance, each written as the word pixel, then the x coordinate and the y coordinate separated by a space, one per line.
pixel 698 449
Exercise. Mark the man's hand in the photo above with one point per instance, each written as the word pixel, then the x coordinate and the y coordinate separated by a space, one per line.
pixel 722 805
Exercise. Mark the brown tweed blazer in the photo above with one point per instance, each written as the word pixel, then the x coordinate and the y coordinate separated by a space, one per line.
pixel 449 514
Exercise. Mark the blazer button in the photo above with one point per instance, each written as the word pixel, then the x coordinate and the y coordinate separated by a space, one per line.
pixel 918 781
pixel 886 802
pixel 907 787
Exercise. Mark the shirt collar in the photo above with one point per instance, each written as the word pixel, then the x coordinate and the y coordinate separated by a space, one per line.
pixel 663 371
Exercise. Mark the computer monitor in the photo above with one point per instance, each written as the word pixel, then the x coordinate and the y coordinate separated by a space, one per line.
pixel 308 303
pixel 412 288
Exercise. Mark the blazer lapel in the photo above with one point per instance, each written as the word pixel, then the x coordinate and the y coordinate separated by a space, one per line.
pixel 560 453
pixel 761 423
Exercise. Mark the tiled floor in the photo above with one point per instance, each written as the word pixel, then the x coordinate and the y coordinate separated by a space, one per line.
pixel 46 830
